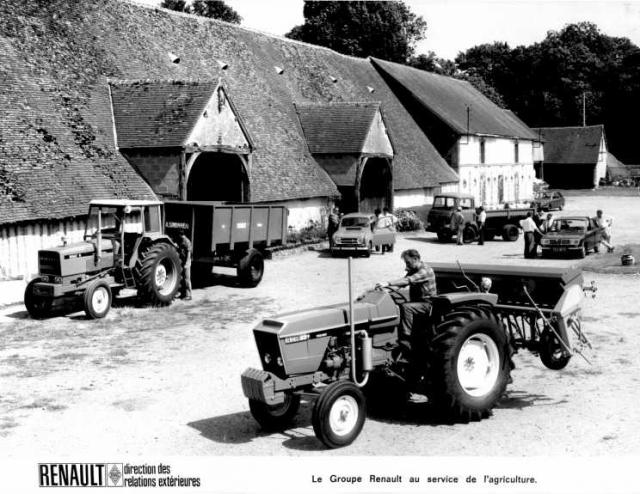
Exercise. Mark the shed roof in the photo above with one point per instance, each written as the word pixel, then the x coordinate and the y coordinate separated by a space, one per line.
pixel 336 127
pixel 571 145
pixel 449 98
pixel 157 113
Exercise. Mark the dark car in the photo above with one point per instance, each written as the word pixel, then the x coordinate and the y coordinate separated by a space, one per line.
pixel 547 200
pixel 572 235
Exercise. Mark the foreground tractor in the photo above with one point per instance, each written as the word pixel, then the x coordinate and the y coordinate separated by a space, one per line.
pixel 463 357
pixel 124 247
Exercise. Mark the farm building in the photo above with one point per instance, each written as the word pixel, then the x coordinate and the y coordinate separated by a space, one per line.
pixel 112 99
pixel 574 157
pixel 490 148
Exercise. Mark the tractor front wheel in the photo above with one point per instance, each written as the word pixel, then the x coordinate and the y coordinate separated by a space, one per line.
pixel 339 414
pixel 37 306
pixel 159 274
pixel 97 299
pixel 471 365
pixel 274 418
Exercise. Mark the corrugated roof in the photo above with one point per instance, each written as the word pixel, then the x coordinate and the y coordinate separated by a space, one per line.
pixel 157 113
pixel 449 98
pixel 571 145
pixel 336 127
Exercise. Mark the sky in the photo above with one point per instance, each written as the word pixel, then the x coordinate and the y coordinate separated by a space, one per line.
pixel 456 25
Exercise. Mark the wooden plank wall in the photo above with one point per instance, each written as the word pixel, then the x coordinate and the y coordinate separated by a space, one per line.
pixel 19 244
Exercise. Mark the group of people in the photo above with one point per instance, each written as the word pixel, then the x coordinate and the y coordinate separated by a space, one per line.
pixel 384 219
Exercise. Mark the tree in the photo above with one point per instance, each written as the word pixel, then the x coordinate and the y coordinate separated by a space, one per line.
pixel 387 30
pixel 214 9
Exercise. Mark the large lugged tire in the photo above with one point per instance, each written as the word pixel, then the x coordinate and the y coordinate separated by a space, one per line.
pixel 339 414
pixel 251 268
pixel 97 299
pixel 470 364
pixel 159 274
pixel 552 353
pixel 510 233
pixel 37 306
pixel 274 418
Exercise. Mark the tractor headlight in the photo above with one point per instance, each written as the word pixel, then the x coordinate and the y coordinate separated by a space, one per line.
pixel 267 358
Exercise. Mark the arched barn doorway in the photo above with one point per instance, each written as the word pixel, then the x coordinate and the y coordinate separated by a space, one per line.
pixel 375 185
pixel 218 177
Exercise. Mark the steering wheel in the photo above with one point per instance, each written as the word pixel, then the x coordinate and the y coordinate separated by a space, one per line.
pixel 397 296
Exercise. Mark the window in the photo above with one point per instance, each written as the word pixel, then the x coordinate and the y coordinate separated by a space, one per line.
pixel 482 150
pixel 465 203
pixel 516 151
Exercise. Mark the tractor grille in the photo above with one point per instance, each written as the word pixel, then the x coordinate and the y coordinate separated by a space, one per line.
pixel 269 351
pixel 49 263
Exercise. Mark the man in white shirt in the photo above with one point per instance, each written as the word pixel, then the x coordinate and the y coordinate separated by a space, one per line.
pixel 387 220
pixel 530 229
pixel 481 219
pixel 604 222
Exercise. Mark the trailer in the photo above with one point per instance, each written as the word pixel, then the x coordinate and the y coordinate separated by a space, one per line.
pixel 500 222
pixel 229 235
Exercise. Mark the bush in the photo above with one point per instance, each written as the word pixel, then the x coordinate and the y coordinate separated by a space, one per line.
pixel 408 221
pixel 313 232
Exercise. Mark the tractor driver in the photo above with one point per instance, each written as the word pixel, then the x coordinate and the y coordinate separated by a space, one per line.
pixel 421 281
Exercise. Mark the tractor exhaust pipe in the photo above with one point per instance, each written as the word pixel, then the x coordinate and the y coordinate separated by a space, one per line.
pixel 366 341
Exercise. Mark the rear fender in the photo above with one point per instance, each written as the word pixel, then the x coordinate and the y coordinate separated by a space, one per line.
pixel 446 301
pixel 147 240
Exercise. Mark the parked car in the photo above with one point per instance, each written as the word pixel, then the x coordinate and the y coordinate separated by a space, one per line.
pixel 548 200
pixel 357 233
pixel 572 235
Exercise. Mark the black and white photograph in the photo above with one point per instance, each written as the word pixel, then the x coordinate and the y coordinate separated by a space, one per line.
pixel 320 246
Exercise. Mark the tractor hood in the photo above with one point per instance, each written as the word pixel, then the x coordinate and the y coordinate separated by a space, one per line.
pixel 374 309
pixel 71 259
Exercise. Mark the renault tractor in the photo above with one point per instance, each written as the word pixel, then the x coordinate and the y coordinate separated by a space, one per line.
pixel 481 316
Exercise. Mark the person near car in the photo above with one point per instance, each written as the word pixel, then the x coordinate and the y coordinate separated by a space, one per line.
pixel 530 230
pixel 421 280
pixel 538 219
pixel 185 250
pixel 604 223
pixel 334 223
pixel 389 221
pixel 547 224
pixel 481 219
pixel 457 224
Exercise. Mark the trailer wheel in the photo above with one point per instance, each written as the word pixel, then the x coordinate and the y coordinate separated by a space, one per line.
pixel 444 236
pixel 97 299
pixel 159 274
pixel 552 353
pixel 251 268
pixel 37 306
pixel 275 417
pixel 339 414
pixel 510 233
pixel 470 364
pixel 469 234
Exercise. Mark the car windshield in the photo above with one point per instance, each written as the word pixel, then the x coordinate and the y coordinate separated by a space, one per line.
pixel 576 225
pixel 359 221
pixel 444 202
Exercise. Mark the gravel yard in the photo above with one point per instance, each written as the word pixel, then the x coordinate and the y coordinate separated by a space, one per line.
pixel 167 381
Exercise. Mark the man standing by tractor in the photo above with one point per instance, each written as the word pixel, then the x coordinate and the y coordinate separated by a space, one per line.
pixel 481 219
pixel 457 224
pixel 185 249
pixel 421 281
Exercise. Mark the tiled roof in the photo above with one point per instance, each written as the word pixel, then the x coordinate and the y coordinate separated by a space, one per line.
pixel 449 98
pixel 336 127
pixel 157 113
pixel 571 145
pixel 57 146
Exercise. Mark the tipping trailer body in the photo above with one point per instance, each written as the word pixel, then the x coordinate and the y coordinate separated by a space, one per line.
pixel 222 233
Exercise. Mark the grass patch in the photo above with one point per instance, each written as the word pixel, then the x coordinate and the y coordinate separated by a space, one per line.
pixel 611 263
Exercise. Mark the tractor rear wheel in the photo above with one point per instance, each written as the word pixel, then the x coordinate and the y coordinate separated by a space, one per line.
pixel 552 353
pixel 339 414
pixel 251 268
pixel 37 306
pixel 97 299
pixel 510 233
pixel 159 274
pixel 274 418
pixel 470 364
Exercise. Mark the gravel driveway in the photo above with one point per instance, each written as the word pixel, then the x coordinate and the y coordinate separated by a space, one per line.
pixel 167 381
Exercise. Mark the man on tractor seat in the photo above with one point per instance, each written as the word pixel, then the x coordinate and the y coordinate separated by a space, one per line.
pixel 421 281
